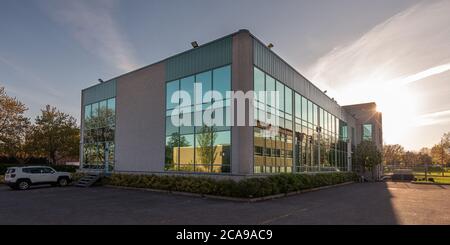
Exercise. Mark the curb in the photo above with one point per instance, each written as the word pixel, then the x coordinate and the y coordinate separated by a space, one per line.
pixel 235 199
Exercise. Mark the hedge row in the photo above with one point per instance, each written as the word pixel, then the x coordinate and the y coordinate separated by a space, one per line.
pixel 60 168
pixel 247 188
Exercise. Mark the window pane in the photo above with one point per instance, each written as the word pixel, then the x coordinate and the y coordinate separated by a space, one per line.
pixel 187 84
pixel 315 115
pixel 258 77
pixel 298 105
pixel 171 88
pixel 310 115
pixel 95 108
pixel 222 80
pixel 221 149
pixel 367 132
pixel 171 158
pixel 288 100
pixel 204 139
pixel 170 128
pixel 270 87
pixel 304 109
pixel 321 115
pixel 87 112
pixel 112 111
pixel 280 90
pixel 205 79
pixel 187 150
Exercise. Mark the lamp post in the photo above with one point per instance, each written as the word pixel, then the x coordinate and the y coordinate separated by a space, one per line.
pixel 106 158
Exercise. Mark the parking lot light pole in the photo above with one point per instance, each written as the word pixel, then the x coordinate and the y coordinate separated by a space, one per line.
pixel 106 158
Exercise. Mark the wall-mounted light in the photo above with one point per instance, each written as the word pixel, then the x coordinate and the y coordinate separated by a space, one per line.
pixel 194 44
pixel 100 80
pixel 270 45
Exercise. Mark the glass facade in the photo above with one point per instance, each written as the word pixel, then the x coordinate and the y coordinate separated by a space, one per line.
pixel 309 138
pixel 273 152
pixel 199 148
pixel 98 135
pixel 367 131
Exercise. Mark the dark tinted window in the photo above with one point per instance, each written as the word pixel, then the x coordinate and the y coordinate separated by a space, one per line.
pixel 30 170
pixel 10 170
pixel 47 170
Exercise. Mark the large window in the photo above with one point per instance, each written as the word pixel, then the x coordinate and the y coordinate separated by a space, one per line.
pixel 367 131
pixel 199 147
pixel 273 144
pixel 309 139
pixel 98 134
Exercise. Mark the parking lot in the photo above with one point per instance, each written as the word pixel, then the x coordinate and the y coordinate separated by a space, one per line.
pixel 369 203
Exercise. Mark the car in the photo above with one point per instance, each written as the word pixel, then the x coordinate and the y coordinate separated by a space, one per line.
pixel 23 177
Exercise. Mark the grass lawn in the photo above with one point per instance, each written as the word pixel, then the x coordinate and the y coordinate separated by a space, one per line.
pixel 433 174
pixel 437 179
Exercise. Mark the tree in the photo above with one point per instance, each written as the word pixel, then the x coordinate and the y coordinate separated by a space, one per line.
pixel 207 149
pixel 392 154
pixel 367 156
pixel 410 159
pixel 445 140
pixel 174 141
pixel 13 125
pixel 439 154
pixel 424 159
pixel 55 135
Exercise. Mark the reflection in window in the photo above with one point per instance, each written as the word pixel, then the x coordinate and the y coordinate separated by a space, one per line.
pixel 367 131
pixel 273 151
pixel 199 148
pixel 98 134
pixel 222 80
pixel 299 145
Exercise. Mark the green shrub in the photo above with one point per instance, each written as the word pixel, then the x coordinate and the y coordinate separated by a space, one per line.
pixel 248 188
pixel 2 179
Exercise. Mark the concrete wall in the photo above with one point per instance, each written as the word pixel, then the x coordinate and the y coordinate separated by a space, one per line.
pixel 242 79
pixel 140 110
pixel 366 113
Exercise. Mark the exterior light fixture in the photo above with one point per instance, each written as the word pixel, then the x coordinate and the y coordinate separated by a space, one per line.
pixel 325 91
pixel 100 80
pixel 194 44
pixel 270 45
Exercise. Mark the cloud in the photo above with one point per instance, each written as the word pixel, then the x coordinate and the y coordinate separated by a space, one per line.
pixel 421 75
pixel 434 118
pixel 411 41
pixel 93 25
pixel 384 64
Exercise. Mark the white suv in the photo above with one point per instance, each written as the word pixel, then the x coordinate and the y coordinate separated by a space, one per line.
pixel 23 177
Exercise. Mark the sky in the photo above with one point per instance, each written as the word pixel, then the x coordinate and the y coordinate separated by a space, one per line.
pixel 396 53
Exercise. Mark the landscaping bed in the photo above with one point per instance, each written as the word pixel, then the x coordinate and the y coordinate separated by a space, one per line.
pixel 258 187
